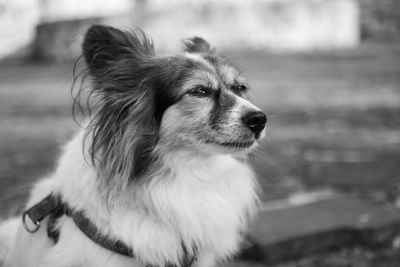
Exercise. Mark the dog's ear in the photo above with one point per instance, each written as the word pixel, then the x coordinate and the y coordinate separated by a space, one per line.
pixel 123 133
pixel 198 45
pixel 123 125
pixel 103 46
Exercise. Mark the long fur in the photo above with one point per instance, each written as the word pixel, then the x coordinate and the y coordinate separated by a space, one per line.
pixel 160 163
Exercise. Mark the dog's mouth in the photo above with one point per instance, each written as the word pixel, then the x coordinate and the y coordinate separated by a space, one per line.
pixel 233 144
pixel 237 144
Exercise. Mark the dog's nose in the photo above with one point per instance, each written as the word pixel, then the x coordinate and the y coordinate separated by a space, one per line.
pixel 255 121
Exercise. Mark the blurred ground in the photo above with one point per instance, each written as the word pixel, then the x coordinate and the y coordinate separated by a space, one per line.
pixel 354 257
pixel 334 121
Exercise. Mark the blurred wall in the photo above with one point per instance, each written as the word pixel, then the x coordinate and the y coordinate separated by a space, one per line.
pixel 268 24
pixel 56 10
pixel 63 23
pixel 380 20
pixel 52 29
pixel 298 25
pixel 18 20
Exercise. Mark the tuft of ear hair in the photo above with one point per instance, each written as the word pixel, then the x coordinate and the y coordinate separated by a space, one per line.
pixel 198 45
pixel 103 45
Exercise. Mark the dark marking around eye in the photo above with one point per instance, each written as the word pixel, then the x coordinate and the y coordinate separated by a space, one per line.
pixel 239 88
pixel 201 91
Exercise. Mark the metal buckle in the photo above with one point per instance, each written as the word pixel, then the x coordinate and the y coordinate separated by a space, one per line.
pixel 37 223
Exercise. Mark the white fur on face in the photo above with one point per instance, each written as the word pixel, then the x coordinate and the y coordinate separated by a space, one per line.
pixel 200 59
pixel 228 73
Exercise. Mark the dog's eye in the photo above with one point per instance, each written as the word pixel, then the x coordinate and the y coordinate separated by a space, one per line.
pixel 242 88
pixel 200 91
pixel 239 88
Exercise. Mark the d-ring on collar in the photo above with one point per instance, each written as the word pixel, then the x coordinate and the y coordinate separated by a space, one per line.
pixel 39 211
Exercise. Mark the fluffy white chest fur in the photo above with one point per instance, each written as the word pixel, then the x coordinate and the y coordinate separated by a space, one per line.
pixel 197 199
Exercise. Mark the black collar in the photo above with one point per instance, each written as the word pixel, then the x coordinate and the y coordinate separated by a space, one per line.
pixel 52 207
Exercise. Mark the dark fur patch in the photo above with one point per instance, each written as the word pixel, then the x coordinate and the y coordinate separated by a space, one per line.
pixel 222 106
pixel 198 45
pixel 213 59
pixel 173 72
pixel 103 45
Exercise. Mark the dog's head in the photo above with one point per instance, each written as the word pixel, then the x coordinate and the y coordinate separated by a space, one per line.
pixel 148 106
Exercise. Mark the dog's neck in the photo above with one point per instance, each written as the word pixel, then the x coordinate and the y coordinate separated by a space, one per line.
pixel 203 202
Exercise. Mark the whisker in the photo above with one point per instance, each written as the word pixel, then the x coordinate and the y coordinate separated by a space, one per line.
pixel 273 132
pixel 260 153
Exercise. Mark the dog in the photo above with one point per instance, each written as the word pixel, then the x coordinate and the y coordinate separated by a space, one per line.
pixel 158 175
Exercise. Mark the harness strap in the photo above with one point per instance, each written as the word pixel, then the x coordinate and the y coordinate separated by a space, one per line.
pixel 91 231
pixel 52 207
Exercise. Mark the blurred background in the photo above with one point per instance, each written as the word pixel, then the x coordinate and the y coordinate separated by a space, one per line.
pixel 326 72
